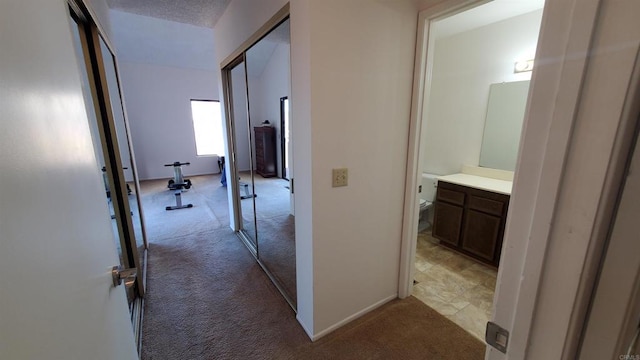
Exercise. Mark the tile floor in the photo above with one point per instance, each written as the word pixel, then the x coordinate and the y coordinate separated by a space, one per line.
pixel 454 285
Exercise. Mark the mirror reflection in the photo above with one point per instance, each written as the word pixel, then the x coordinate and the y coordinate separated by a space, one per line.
pixel 95 135
pixel 243 161
pixel 503 125
pixel 268 79
pixel 123 145
pixel 258 86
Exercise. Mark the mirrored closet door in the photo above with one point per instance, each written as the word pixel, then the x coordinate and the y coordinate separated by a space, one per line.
pixel 111 142
pixel 255 84
pixel 126 158
pixel 242 171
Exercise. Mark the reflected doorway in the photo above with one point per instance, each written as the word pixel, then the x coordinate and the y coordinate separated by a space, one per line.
pixel 284 139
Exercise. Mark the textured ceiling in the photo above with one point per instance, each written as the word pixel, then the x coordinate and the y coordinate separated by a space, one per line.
pixel 203 13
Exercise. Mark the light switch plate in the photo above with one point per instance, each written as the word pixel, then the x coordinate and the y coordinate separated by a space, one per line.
pixel 340 177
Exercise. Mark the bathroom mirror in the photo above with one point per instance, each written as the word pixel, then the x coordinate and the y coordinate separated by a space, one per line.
pixel 503 125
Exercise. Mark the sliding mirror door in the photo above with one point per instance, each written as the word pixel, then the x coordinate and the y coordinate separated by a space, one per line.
pixel 106 121
pixel 111 144
pixel 257 89
pixel 269 82
pixel 242 153
pixel 95 128
pixel 128 165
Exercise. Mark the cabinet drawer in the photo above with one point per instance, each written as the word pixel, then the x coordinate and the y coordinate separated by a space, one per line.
pixel 488 206
pixel 450 196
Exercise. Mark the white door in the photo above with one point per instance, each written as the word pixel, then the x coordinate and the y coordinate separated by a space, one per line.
pixel 56 244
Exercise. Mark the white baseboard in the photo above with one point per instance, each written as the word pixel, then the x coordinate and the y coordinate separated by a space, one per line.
pixel 351 318
pixel 306 329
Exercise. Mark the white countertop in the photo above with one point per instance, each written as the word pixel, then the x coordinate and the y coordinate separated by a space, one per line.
pixel 479 182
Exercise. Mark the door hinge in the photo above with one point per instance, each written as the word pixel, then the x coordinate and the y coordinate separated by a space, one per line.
pixel 497 337
pixel 419 189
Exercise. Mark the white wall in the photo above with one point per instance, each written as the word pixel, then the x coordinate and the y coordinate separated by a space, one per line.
pixel 159 110
pixel 465 65
pixel 163 65
pixel 56 244
pixel 361 80
pixel 350 108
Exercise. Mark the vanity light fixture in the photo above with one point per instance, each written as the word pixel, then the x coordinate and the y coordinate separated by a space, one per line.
pixel 523 66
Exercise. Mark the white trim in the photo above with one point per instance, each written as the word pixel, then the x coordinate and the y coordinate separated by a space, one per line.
pixel 348 319
pixel 304 326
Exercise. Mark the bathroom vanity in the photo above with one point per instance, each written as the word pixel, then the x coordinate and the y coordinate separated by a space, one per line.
pixel 470 215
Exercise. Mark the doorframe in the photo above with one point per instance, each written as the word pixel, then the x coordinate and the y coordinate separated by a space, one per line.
pixel 547 149
pixel 423 66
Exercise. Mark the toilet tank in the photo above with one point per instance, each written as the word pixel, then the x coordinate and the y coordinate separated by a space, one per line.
pixel 429 186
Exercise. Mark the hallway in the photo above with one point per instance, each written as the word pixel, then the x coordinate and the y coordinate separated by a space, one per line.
pixel 207 298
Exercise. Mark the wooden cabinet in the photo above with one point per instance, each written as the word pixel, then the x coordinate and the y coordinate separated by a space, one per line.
pixel 470 221
pixel 265 139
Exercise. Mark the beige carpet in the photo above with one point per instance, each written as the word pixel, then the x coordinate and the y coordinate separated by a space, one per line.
pixel 208 299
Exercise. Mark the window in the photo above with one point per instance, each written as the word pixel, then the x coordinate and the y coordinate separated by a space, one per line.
pixel 207 126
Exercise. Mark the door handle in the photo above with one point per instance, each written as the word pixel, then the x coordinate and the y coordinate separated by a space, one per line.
pixel 118 273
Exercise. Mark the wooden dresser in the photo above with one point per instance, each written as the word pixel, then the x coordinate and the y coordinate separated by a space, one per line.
pixel 265 139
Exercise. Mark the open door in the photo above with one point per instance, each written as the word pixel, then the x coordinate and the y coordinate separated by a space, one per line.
pixel 57 250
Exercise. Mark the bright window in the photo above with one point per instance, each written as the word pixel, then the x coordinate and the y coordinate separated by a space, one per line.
pixel 207 126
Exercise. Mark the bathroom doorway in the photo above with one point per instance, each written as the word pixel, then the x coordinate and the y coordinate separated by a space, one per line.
pixel 474 104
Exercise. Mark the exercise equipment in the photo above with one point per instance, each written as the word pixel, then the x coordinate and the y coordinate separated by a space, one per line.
pixel 223 180
pixel 105 179
pixel 178 184
pixel 247 194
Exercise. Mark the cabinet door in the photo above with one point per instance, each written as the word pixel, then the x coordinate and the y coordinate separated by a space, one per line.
pixel 481 234
pixel 447 222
